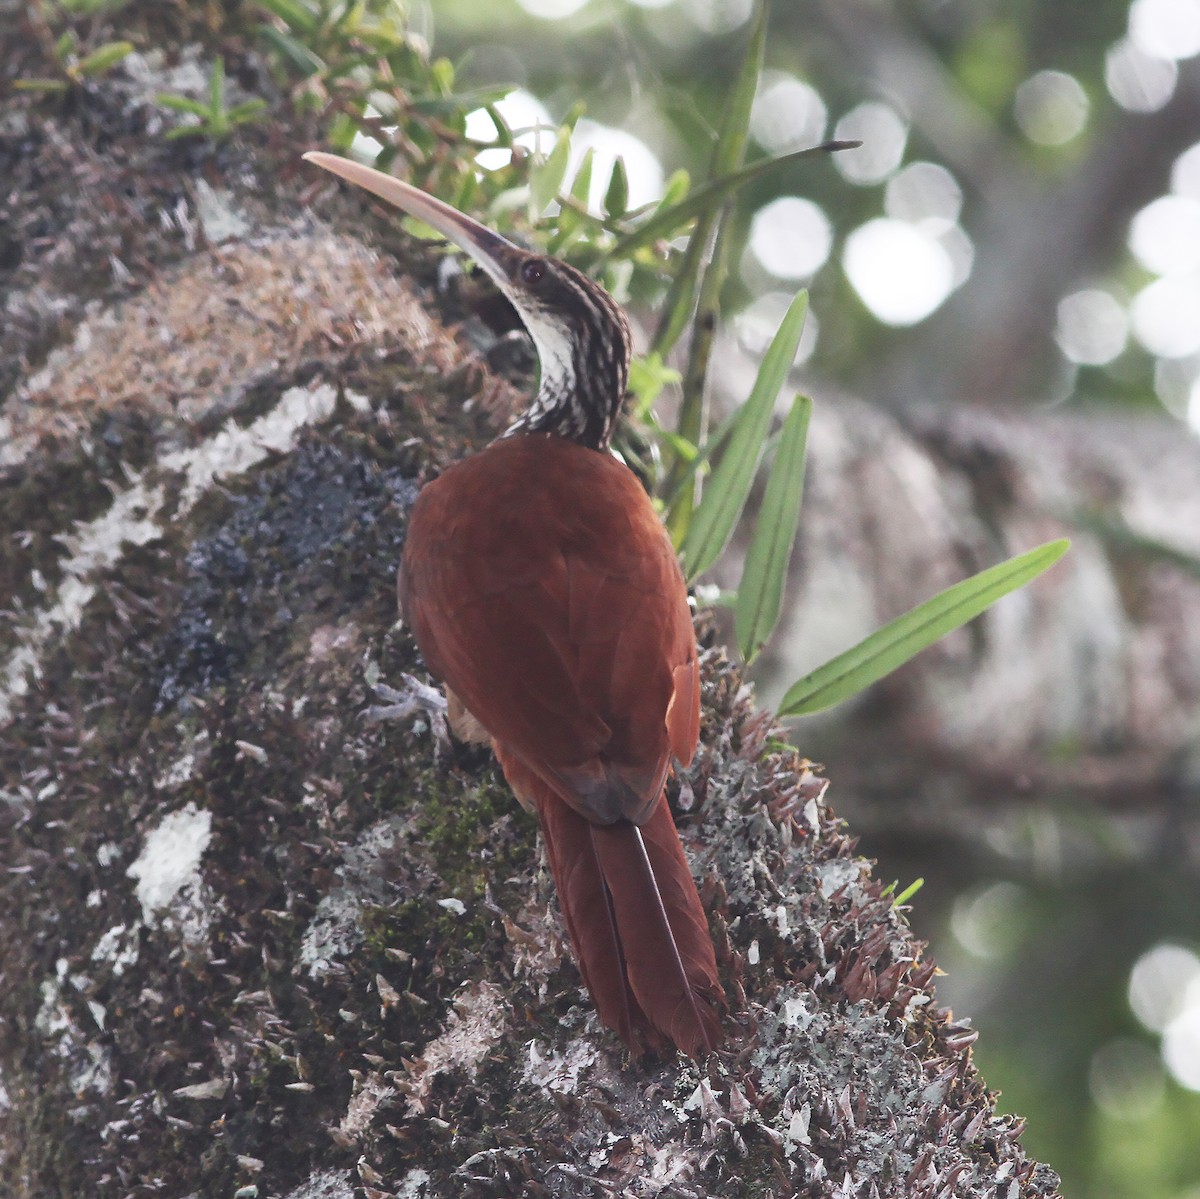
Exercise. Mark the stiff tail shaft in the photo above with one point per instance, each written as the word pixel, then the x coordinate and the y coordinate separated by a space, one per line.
pixel 637 925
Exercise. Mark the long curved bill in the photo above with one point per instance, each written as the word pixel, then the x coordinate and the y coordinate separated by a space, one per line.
pixel 491 251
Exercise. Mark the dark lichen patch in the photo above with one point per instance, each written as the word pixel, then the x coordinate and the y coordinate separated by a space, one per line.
pixel 322 532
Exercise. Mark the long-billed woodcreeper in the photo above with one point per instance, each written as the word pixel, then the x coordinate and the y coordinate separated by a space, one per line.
pixel 544 593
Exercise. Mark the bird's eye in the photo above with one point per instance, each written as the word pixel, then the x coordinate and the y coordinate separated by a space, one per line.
pixel 532 272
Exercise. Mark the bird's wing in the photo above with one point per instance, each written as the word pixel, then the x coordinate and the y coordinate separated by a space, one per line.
pixel 543 590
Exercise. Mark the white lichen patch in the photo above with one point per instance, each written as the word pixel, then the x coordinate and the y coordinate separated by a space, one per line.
pixel 333 932
pixel 170 887
pixel 93 548
pixel 324 1184
pixel 135 518
pixel 414 1185
pixel 219 216
pixel 836 873
pixel 473 1031
pixel 233 450
pixel 182 768
pixel 370 1094
pixel 118 948
pixel 88 1062
pixel 560 1072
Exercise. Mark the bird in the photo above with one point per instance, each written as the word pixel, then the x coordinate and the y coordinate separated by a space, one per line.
pixel 544 593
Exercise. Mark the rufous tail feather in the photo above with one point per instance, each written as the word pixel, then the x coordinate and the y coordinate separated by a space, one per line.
pixel 636 923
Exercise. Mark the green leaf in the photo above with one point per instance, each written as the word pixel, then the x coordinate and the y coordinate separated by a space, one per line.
pixel 301 56
pixel 895 643
pixel 581 185
pixel 725 496
pixel 182 104
pixel 293 15
pixel 504 134
pixel 216 87
pixel 730 150
pixel 667 221
pixel 616 199
pixel 760 593
pixel 239 114
pixel 66 45
pixel 908 892
pixel 647 377
pixel 103 57
pixel 700 278
pixel 41 85
pixel 546 179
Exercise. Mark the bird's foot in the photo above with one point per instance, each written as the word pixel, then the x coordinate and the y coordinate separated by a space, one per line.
pixel 414 701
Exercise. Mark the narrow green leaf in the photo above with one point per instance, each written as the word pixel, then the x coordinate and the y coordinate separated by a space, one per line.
pixel 239 114
pixel 504 134
pixel 697 457
pixel 895 643
pixel 666 222
pixel 760 593
pixel 648 376
pixel 104 57
pixel 908 892
pixel 581 185
pixel 216 86
pixel 675 190
pixel 66 45
pixel 546 179
pixel 182 104
pixel 616 199
pixel 697 284
pixel 34 84
pixel 725 496
pixel 303 57
pixel 293 15
pixel 730 151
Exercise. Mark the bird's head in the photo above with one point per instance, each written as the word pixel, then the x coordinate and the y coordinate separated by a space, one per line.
pixel 580 334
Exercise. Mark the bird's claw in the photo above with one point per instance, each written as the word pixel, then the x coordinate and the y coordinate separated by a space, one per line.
pixel 416 700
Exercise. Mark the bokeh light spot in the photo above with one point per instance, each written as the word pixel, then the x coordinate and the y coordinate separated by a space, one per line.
pixel 924 191
pixel 1185 174
pixel 1193 407
pixel 787 114
pixel 643 170
pixel 1051 108
pixel 552 10
pixel 791 237
pixel 526 115
pixel 1166 317
pixel 1126 1079
pixel 900 271
pixel 1158 984
pixel 988 920
pixel 759 321
pixel 1166 28
pixel 717 16
pixel 883 135
pixel 1092 327
pixel 1165 235
pixel 1138 81
pixel 1181 1042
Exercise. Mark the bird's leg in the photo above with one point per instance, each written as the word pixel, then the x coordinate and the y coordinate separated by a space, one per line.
pixel 415 700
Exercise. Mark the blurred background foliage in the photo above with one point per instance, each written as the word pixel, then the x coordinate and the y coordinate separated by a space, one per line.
pixel 1021 226
pixel 1020 229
